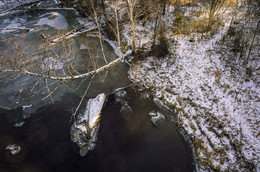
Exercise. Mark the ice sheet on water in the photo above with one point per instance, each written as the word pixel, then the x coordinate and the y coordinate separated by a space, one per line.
pixel 54 20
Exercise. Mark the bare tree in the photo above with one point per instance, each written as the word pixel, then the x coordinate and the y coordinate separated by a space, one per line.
pixel 114 5
pixel 99 30
pixel 130 10
pixel 215 7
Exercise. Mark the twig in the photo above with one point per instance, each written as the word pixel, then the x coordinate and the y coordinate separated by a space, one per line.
pixel 82 98
pixel 35 84
pixel 52 91
pixel 46 81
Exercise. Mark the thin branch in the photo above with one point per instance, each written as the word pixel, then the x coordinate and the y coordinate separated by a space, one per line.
pixel 52 91
pixel 46 81
pixel 42 89
pixel 118 34
pixel 82 98
pixel 73 77
pixel 35 85
pixel 99 31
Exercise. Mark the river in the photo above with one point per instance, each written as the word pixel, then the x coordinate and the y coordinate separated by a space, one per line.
pixel 126 142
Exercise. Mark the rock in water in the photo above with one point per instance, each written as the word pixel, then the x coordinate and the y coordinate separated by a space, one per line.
pixel 155 117
pixel 85 129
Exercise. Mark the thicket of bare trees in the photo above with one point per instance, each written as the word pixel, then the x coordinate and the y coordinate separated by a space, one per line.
pixel 240 45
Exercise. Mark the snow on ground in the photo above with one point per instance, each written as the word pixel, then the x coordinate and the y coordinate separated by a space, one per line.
pixel 219 112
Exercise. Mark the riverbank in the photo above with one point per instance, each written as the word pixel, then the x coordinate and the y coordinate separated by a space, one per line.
pixel 219 109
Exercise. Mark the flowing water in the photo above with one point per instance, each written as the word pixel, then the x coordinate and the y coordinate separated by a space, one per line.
pixel 126 141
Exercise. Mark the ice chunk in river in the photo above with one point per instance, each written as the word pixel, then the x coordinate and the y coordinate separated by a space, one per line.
pixel 85 129
pixel 14 149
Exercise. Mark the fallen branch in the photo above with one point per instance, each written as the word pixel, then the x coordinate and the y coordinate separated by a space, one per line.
pixel 72 33
pixel 84 75
pixel 82 98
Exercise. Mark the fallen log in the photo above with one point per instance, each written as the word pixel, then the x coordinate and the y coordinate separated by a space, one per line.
pixel 71 34
pixel 71 77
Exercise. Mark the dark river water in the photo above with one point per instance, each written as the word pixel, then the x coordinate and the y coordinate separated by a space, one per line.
pixel 132 144
pixel 125 143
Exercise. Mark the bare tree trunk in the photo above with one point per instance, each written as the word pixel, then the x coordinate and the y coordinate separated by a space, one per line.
pixel 155 27
pixel 215 6
pixel 99 31
pixel 249 52
pixel 118 34
pixel 164 7
pixel 130 9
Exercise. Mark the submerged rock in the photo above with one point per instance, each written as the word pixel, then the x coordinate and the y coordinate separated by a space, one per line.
pixel 85 129
pixel 126 112
pixel 14 149
pixel 120 97
pixel 155 117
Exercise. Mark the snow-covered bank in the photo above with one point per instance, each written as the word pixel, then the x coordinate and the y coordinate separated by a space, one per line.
pixel 219 112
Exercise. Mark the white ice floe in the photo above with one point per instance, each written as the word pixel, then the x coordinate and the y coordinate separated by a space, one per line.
pixel 19 124
pixel 54 20
pixel 26 106
pixel 14 149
